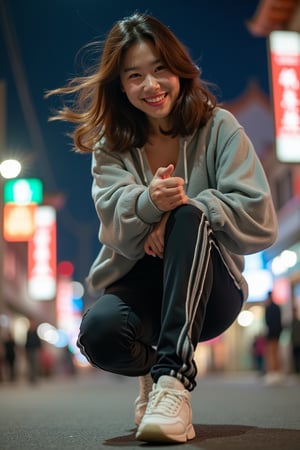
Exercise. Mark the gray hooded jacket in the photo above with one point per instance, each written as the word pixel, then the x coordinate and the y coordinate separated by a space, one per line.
pixel 223 177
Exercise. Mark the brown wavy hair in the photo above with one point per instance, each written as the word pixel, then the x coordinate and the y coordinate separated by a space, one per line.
pixel 101 109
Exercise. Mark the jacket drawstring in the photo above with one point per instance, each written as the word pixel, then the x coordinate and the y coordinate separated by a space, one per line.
pixel 186 176
pixel 140 151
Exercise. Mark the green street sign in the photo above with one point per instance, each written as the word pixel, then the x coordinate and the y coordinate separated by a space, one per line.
pixel 23 190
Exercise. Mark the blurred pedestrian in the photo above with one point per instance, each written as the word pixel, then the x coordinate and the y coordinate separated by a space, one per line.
pixel 181 195
pixel 2 358
pixel 10 356
pixel 32 347
pixel 258 350
pixel 68 365
pixel 47 361
pixel 274 328
pixel 295 341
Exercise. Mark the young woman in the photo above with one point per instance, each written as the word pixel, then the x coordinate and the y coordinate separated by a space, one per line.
pixel 181 196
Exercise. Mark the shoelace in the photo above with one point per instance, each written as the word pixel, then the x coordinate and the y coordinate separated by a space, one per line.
pixel 165 401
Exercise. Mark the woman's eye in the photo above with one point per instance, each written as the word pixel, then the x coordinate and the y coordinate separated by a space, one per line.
pixel 133 75
pixel 160 68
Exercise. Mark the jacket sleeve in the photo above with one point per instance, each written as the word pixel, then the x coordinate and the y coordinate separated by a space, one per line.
pixel 239 205
pixel 123 204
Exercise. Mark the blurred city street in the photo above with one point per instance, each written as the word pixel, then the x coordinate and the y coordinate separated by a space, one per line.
pixel 94 410
pixel 49 229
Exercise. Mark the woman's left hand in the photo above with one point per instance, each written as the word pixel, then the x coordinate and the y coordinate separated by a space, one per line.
pixel 155 241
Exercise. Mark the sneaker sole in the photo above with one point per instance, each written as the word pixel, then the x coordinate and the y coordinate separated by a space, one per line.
pixel 153 433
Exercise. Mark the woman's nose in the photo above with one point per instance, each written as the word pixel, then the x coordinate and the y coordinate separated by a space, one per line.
pixel 150 82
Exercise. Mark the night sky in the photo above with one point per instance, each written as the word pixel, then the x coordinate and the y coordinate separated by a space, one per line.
pixel 39 43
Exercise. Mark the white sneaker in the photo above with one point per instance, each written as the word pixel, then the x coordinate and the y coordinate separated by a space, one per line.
pixel 168 417
pixel 273 378
pixel 141 402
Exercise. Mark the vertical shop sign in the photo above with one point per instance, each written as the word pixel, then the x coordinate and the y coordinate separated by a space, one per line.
pixel 285 81
pixel 42 256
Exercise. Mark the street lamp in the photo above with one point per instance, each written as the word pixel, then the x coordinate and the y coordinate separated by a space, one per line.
pixel 10 168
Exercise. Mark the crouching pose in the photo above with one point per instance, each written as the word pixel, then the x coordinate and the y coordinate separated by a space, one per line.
pixel 181 196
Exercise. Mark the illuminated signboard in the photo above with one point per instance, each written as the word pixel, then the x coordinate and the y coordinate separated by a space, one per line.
pixel 64 310
pixel 18 222
pixel 21 197
pixel 259 279
pixel 42 256
pixel 285 82
pixel 23 190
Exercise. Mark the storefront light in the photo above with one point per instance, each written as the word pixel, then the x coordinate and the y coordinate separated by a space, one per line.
pixel 52 335
pixel 78 289
pixel 285 261
pixel 289 258
pixel 245 318
pixel 259 279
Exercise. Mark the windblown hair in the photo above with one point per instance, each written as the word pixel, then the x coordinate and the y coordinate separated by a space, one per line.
pixel 101 109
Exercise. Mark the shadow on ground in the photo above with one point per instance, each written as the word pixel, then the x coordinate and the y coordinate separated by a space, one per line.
pixel 225 437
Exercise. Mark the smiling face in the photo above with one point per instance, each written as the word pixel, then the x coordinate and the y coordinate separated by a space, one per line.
pixel 148 83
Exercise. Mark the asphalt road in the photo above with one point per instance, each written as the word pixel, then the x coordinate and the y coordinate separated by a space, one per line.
pixel 95 411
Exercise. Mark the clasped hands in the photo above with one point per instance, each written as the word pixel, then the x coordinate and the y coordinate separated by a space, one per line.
pixel 167 193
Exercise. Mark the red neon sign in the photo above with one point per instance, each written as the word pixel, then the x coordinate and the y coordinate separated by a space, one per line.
pixel 285 71
pixel 42 256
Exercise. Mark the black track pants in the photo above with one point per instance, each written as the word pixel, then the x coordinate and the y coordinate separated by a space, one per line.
pixel 153 317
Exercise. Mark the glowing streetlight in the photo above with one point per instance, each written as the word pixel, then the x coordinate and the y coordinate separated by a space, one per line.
pixel 10 168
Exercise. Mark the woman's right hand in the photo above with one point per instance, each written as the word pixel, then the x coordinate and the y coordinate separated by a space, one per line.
pixel 167 192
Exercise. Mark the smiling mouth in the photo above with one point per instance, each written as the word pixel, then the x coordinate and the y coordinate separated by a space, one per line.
pixel 155 100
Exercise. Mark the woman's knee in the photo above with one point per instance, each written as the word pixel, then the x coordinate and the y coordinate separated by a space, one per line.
pixel 188 211
pixel 101 325
pixel 184 221
pixel 185 217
